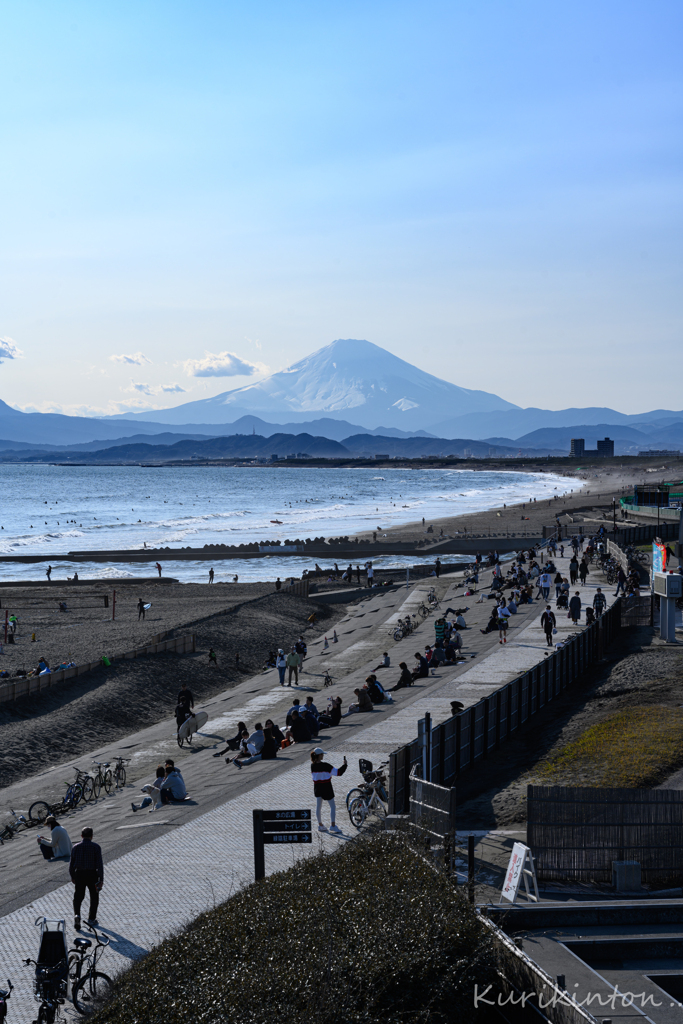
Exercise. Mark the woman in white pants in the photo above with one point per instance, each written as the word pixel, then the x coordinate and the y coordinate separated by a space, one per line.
pixel 322 773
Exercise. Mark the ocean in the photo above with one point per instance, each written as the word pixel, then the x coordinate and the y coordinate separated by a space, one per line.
pixel 50 510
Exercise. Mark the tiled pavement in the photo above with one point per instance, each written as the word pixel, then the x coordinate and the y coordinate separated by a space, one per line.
pixel 193 864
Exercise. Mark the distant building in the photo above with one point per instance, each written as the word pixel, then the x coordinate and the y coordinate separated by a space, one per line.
pixel 467 453
pixel 274 458
pixel 606 448
pixel 658 452
pixel 381 456
pixel 578 447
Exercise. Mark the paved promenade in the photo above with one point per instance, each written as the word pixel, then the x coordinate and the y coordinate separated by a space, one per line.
pixel 164 868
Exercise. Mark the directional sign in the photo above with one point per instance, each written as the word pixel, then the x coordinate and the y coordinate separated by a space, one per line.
pixel 287 837
pixel 287 826
pixel 300 815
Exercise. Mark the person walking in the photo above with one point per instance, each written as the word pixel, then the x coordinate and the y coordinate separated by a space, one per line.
pixel 281 665
pixel 371 573
pixel 621 582
pixel 293 661
pixel 358 574
pixel 278 583
pixel 583 571
pixel 59 844
pixel 548 623
pixel 599 602
pixel 213 660
pixel 48 572
pixel 544 583
pixel 503 616
pixel 159 568
pixel 211 574
pixel 437 567
pixel 322 773
pixel 558 584
pixel 575 608
pixel 87 872
pixel 573 570
pixel 141 609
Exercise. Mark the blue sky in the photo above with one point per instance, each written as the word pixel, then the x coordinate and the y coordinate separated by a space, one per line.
pixel 490 190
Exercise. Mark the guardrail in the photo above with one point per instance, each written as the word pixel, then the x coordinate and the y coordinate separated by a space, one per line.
pixel 24 686
pixel 454 746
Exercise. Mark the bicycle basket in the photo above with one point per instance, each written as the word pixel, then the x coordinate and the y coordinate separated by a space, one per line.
pixel 364 766
pixel 52 961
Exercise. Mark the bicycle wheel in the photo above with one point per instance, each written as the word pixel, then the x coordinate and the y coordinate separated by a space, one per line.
pixel 179 739
pixel 108 782
pixel 378 811
pixel 398 634
pixel 352 794
pixel 357 811
pixel 97 786
pixel 91 991
pixel 38 812
pixel 74 794
pixel 87 790
pixel 120 777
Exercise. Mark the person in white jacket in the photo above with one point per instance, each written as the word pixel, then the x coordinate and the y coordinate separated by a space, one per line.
pixel 58 844
pixel 281 665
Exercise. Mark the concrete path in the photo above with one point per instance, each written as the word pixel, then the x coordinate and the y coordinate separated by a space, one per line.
pixel 162 869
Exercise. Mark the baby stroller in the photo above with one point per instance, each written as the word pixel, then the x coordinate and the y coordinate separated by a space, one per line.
pixel 562 601
pixel 52 969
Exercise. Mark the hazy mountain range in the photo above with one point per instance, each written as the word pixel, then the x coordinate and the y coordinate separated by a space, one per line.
pixel 348 388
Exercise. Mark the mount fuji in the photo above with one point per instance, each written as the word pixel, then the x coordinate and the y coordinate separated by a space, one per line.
pixel 348 379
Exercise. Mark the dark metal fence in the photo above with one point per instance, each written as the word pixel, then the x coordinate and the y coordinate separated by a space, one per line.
pixel 432 807
pixel 452 747
pixel 575 834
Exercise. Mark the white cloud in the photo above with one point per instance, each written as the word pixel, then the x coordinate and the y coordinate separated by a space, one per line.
pixel 134 359
pixel 153 389
pixel 222 364
pixel 8 350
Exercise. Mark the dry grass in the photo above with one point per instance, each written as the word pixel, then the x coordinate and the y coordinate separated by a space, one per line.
pixel 635 748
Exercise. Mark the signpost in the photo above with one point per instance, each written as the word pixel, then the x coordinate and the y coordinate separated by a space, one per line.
pixel 520 869
pixel 273 828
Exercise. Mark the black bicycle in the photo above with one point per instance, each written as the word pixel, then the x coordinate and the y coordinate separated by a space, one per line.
pixel 102 779
pixel 41 809
pixel 119 772
pixel 88 985
pixel 5 993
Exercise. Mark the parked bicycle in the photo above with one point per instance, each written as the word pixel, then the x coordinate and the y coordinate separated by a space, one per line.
pixel 371 799
pixel 18 823
pixel 51 976
pixel 41 809
pixel 102 779
pixel 327 679
pixel 119 772
pixel 85 781
pixel 88 985
pixel 404 628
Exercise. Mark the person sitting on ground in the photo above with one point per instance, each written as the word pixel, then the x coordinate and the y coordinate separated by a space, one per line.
pixel 363 703
pixel 492 623
pixel 298 731
pixel 296 706
pixel 58 845
pixel 421 670
pixel 438 655
pixel 310 721
pixel 172 789
pixel 153 792
pixel 270 661
pixel 375 689
pixel 512 603
pixel 333 714
pixel 268 751
pixel 275 730
pixel 384 663
pixel 252 745
pixel 234 743
pixel 310 707
pixel 405 679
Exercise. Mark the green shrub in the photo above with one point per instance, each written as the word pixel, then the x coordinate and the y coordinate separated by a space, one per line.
pixel 371 933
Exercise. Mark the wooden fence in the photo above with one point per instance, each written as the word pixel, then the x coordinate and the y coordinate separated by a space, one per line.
pixel 455 746
pixel 575 834
pixel 24 686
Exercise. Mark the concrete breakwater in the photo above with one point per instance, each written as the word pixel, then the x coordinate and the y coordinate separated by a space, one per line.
pixel 336 552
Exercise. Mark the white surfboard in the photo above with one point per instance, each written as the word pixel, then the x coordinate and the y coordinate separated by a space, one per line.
pixel 188 728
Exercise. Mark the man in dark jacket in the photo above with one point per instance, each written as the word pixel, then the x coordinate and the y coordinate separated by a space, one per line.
pixel 422 669
pixel 87 872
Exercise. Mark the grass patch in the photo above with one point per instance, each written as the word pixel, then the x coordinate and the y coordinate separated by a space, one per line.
pixel 635 748
pixel 372 933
